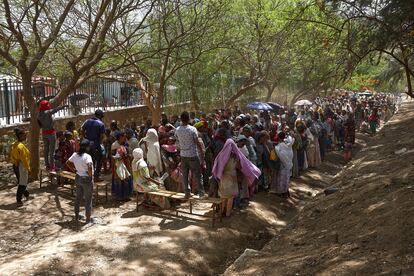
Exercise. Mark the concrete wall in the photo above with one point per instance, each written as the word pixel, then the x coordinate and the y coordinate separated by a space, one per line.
pixel 126 115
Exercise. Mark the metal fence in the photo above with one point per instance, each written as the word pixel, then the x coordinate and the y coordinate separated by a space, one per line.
pixel 106 94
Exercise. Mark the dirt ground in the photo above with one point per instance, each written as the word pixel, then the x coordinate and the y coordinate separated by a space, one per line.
pixel 366 228
pixel 41 238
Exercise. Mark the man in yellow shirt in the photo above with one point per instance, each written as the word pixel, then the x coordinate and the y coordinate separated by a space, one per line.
pixel 20 158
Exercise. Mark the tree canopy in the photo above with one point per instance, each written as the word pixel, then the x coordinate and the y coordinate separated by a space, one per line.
pixel 214 53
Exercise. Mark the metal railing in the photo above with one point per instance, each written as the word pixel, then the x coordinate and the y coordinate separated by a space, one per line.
pixel 106 94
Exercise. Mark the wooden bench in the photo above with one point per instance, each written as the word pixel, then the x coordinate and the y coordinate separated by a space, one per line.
pixel 215 203
pixel 71 177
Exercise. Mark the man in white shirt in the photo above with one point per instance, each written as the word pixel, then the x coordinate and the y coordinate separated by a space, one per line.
pixel 188 143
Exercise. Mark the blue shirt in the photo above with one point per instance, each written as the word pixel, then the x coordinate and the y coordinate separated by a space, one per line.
pixel 186 136
pixel 94 129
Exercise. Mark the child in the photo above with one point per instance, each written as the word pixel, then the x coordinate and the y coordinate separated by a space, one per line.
pixel 59 151
pixel 373 121
pixel 70 126
pixel 68 147
pixel 347 150
pixel 20 158
pixel 81 163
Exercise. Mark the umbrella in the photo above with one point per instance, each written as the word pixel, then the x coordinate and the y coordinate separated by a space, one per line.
pixel 259 106
pixel 275 106
pixel 365 94
pixel 303 102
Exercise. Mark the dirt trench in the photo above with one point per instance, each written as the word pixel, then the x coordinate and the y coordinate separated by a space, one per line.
pixel 365 228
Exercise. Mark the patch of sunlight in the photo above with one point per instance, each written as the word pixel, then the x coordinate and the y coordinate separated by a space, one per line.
pixel 364 176
pixel 304 189
pixel 158 240
pixel 353 263
pixel 341 267
pixel 265 214
pixel 314 174
pixel 372 207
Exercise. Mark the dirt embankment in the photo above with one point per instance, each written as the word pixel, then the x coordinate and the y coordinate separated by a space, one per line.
pixel 366 228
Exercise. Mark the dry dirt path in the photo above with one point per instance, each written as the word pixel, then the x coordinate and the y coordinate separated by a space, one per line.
pixel 41 238
pixel 366 228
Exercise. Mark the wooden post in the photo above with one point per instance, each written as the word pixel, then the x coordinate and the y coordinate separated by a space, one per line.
pixel 137 202
pixel 106 192
pixel 97 193
pixel 40 179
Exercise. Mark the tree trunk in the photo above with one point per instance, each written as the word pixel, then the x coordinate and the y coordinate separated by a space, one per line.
pixel 194 98
pixel 34 130
pixel 240 92
pixel 270 89
pixel 156 114
pixel 409 84
pixel 33 143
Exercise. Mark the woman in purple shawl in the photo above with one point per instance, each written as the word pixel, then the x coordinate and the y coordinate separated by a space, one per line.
pixel 228 161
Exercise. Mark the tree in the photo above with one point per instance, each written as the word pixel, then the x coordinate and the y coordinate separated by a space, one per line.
pixel 261 36
pixel 201 81
pixel 179 35
pixel 81 33
pixel 317 57
pixel 385 27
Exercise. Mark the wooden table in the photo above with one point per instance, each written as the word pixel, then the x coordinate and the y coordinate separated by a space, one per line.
pixel 71 177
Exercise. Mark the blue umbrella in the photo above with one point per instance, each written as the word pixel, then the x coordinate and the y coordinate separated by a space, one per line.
pixel 276 106
pixel 259 106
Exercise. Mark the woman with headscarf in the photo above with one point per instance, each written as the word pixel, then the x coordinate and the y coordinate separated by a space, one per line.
pixel 225 169
pixel 296 146
pixel 311 149
pixel 301 150
pixel 218 142
pixel 285 155
pixel 152 146
pixel 143 181
pixel 121 180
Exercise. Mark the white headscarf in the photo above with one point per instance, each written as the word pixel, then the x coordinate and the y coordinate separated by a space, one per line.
pixel 138 161
pixel 153 150
pixel 152 136
pixel 285 153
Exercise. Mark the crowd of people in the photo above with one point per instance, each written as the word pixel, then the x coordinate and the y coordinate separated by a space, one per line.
pixel 226 154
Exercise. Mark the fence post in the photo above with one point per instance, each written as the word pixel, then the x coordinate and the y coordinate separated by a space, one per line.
pixel 6 101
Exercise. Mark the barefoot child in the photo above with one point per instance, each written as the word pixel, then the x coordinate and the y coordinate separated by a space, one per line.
pixel 20 158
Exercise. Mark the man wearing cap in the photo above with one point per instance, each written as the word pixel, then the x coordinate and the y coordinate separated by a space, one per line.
pixel 45 121
pixel 94 130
